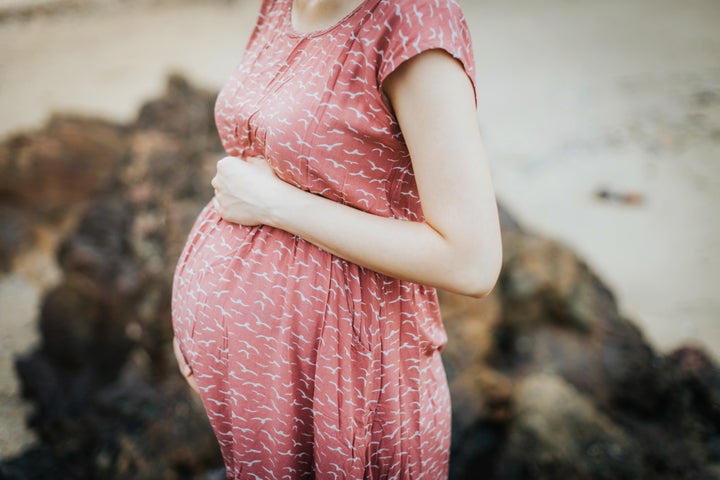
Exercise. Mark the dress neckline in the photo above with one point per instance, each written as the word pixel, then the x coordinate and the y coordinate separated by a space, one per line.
pixel 314 33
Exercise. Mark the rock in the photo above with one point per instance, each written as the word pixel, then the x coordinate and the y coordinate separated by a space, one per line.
pixel 165 183
pixel 16 234
pixel 542 279
pixel 104 379
pixel 47 176
pixel 184 112
pixel 701 378
pixel 68 162
pixel 99 249
pixel 557 432
pixel 136 427
pixel 108 399
pixel 551 333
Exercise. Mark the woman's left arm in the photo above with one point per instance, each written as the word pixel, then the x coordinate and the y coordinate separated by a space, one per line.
pixel 457 247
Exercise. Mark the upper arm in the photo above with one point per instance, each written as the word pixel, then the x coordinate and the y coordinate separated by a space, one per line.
pixel 434 102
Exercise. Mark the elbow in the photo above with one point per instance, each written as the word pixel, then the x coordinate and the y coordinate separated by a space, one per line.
pixel 480 292
pixel 476 260
pixel 480 287
pixel 477 278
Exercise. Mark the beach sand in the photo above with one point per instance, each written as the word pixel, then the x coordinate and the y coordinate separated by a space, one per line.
pixel 573 97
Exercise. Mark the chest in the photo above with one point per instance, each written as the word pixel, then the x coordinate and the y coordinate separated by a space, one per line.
pixel 294 95
pixel 313 108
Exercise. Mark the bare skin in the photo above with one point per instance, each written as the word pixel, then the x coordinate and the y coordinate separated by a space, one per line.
pixel 185 369
pixel 311 15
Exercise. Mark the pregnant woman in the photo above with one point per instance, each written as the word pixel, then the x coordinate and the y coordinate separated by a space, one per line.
pixel 304 304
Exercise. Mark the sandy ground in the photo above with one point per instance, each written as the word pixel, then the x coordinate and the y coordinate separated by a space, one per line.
pixel 574 96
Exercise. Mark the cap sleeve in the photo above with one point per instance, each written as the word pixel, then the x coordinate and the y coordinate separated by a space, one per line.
pixel 270 12
pixel 412 27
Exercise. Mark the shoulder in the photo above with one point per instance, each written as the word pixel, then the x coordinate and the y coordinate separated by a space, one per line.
pixel 412 23
pixel 272 10
pixel 420 14
pixel 410 27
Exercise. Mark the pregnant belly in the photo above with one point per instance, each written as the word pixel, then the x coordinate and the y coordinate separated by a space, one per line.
pixel 229 272
pixel 238 282
pixel 220 258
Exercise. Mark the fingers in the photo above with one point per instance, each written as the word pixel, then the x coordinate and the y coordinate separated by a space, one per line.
pixel 193 383
pixel 180 358
pixel 224 167
pixel 228 160
pixel 185 369
pixel 220 168
pixel 229 165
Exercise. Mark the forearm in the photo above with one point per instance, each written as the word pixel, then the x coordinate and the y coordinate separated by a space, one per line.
pixel 412 251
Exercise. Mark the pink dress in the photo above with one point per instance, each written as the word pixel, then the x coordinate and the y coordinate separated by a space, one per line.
pixel 310 366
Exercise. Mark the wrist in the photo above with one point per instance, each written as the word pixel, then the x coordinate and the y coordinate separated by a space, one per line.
pixel 283 199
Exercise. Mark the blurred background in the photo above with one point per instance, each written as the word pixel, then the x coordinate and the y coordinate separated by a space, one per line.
pixel 601 122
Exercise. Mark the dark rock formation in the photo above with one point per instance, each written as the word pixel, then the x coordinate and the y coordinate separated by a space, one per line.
pixel 559 433
pixel 549 380
pixel 16 234
pixel 109 400
pixel 68 162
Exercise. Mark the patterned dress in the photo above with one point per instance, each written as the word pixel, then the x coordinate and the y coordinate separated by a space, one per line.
pixel 310 366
